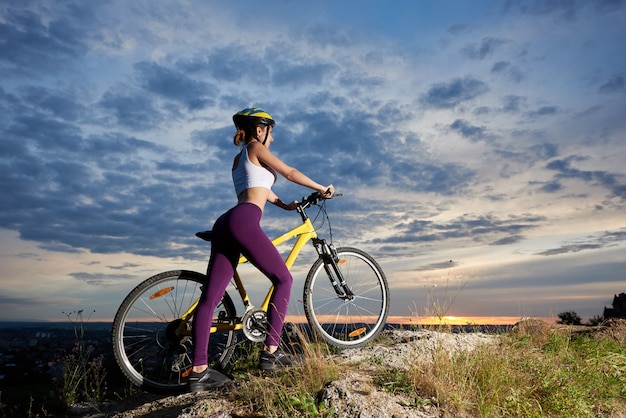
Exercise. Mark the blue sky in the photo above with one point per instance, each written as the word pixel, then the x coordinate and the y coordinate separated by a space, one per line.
pixel 480 145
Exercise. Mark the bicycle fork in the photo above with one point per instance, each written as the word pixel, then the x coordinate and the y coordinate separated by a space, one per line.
pixel 328 253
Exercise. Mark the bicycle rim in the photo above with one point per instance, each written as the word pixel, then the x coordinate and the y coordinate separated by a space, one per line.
pixel 347 322
pixel 147 342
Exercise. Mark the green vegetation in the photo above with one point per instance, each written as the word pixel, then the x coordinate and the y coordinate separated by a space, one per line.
pixel 535 371
pixel 292 392
pixel 83 378
pixel 569 318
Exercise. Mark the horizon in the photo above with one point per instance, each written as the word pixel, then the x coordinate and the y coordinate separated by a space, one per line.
pixel 391 320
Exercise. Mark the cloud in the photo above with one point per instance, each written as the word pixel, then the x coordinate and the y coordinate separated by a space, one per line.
pixel 227 64
pixel 451 94
pixel 574 248
pixel 551 187
pixel 325 34
pixel 114 192
pixel 529 155
pixel 480 229
pixel 100 279
pixel 469 131
pixel 595 242
pixel 131 110
pixel 116 135
pixel 482 49
pixel 300 75
pixel 542 111
pixel 566 10
pixel 513 239
pixel 176 86
pixel 594 177
pixel 107 192
pixel 438 266
pixel 615 84
pixel 507 69
pixel 513 104
pixel 32 45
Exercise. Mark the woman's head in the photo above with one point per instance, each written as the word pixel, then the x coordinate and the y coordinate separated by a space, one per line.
pixel 250 122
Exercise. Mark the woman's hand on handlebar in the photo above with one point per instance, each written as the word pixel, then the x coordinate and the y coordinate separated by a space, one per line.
pixel 327 192
pixel 273 198
pixel 293 205
pixel 324 193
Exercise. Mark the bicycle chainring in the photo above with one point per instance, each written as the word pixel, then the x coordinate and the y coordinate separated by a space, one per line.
pixel 255 325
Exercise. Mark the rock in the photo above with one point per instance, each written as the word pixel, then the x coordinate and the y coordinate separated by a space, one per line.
pixel 411 347
pixel 353 395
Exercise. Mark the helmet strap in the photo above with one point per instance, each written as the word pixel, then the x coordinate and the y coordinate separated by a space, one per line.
pixel 267 133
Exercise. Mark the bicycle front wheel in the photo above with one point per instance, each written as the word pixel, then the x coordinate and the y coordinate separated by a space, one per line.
pixel 153 345
pixel 347 321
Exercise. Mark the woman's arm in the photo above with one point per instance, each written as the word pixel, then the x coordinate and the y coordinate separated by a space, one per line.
pixel 273 198
pixel 265 156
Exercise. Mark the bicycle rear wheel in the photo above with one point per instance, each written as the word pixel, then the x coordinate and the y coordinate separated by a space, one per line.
pixel 151 344
pixel 341 321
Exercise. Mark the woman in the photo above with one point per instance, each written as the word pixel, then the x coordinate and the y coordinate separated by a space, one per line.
pixel 237 232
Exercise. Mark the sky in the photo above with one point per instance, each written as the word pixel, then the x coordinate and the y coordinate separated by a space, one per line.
pixel 479 146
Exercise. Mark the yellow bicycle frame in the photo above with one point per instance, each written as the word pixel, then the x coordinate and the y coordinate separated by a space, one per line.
pixel 304 232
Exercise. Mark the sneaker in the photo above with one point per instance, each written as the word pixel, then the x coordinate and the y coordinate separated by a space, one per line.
pixel 207 379
pixel 274 361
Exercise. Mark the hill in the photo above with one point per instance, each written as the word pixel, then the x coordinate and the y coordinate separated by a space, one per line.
pixel 372 381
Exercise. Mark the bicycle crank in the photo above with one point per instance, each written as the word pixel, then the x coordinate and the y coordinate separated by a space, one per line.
pixel 255 325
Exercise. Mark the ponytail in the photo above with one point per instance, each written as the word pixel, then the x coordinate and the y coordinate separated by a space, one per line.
pixel 246 134
pixel 240 137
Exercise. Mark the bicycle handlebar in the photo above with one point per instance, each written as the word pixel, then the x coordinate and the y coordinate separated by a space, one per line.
pixel 313 199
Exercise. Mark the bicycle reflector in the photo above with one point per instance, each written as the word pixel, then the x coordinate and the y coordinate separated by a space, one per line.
pixel 161 292
pixel 357 332
pixel 342 261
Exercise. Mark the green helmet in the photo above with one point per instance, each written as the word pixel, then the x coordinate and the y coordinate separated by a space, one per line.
pixel 252 116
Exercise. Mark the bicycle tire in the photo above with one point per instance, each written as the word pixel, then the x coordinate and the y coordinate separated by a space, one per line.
pixel 341 322
pixel 147 350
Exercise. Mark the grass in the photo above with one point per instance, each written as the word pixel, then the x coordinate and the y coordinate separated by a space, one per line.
pixel 535 371
pixel 292 392
pixel 549 373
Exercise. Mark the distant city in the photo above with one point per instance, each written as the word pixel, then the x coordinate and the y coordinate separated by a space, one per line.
pixel 31 361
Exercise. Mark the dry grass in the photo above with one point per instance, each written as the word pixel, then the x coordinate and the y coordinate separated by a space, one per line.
pixel 291 392
pixel 536 370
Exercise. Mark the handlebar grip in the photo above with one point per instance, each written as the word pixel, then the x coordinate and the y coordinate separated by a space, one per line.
pixel 313 198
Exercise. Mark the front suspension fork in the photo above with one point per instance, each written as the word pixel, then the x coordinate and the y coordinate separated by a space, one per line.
pixel 329 256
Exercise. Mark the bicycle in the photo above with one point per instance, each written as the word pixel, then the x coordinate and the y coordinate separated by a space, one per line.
pixel 346 300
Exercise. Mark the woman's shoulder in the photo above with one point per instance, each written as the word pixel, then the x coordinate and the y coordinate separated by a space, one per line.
pixel 255 148
pixel 253 145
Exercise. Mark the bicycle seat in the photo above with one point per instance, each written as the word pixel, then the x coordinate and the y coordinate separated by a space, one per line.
pixel 205 235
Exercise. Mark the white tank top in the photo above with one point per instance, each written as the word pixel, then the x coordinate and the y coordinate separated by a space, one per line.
pixel 247 175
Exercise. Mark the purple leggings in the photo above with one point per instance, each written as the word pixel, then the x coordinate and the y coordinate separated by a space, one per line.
pixel 237 232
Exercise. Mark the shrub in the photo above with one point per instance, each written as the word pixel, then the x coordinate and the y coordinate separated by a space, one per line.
pixel 83 376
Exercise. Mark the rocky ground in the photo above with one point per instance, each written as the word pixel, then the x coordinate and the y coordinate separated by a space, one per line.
pixel 354 393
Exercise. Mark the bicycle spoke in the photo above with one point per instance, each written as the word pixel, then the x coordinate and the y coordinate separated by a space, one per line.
pixel 150 342
pixel 347 321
